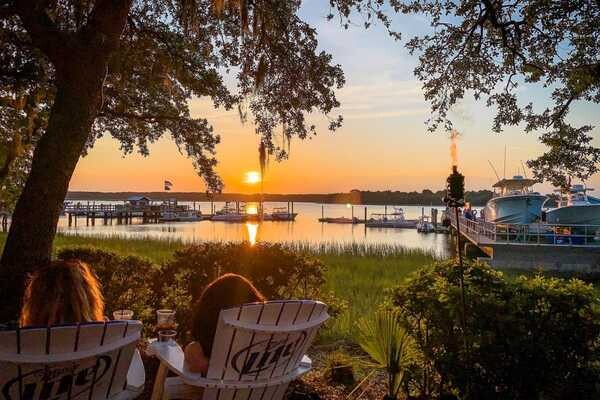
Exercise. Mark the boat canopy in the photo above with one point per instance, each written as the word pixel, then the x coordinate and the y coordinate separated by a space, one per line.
pixel 516 183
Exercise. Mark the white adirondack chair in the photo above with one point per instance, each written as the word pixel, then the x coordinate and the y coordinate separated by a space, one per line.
pixel 258 350
pixel 88 361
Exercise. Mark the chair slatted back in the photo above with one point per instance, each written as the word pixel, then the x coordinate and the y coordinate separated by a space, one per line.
pixel 72 362
pixel 260 342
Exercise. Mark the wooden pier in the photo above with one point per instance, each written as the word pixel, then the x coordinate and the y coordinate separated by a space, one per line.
pixel 109 212
pixel 531 246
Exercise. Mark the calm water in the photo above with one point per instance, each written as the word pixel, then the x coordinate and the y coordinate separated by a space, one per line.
pixel 306 228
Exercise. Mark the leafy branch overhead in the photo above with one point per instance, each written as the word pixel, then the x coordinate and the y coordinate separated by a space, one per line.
pixel 492 48
pixel 258 55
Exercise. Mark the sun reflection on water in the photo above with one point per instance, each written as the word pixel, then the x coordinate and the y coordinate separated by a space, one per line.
pixel 252 229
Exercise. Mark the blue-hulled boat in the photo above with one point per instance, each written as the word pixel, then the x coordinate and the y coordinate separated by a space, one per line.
pixel 576 208
pixel 514 202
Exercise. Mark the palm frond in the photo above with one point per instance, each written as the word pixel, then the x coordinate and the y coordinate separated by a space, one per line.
pixel 389 345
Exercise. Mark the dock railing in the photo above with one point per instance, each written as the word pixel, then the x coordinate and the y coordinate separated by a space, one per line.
pixel 484 232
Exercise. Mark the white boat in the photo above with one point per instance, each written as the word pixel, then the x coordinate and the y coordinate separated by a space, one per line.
pixel 179 216
pixel 229 213
pixel 280 214
pixel 514 202
pixel 424 225
pixel 575 208
pixel 395 219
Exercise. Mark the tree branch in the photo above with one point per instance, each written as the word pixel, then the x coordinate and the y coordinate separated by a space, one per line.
pixel 43 31
pixel 141 117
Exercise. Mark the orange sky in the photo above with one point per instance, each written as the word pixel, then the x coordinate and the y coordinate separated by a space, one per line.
pixel 369 152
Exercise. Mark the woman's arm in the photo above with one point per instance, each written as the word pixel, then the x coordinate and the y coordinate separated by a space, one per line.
pixel 195 360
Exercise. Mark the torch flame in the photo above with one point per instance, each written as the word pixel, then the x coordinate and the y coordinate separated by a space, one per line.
pixel 453 150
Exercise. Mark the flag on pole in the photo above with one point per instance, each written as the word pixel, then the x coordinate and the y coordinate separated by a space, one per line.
pixel 168 185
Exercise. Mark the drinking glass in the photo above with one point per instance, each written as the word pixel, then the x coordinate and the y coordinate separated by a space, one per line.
pixel 165 320
pixel 166 335
pixel 123 315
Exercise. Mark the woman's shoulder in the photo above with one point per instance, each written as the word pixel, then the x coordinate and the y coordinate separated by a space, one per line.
pixel 192 347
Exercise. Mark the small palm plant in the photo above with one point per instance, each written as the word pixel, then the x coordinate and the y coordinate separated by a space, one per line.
pixel 383 337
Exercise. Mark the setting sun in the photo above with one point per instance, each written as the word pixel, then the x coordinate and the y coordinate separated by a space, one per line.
pixel 252 177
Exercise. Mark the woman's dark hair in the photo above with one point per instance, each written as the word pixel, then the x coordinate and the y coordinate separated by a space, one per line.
pixel 227 291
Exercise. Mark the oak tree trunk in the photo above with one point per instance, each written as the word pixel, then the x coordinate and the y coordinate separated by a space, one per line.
pixel 29 242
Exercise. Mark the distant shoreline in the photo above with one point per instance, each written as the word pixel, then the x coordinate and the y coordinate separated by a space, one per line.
pixel 426 197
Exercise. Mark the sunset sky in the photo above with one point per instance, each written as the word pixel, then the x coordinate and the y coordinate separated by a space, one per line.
pixel 383 144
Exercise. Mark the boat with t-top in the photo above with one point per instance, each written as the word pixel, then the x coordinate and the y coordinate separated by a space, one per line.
pixel 229 213
pixel 576 207
pixel 280 214
pixel 514 202
pixel 395 219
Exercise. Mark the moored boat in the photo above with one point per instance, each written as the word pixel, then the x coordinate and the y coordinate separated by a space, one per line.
pixel 514 202
pixel 179 216
pixel 280 214
pixel 229 213
pixel 395 219
pixel 576 207
pixel 424 225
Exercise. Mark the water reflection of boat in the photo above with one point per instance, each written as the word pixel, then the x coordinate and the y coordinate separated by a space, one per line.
pixel 514 202
pixel 395 219
pixel 576 208
pixel 280 214
pixel 424 225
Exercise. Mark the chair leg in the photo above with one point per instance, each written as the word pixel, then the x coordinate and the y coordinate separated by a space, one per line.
pixel 159 382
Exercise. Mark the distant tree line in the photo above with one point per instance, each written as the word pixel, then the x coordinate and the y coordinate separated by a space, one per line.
pixel 388 197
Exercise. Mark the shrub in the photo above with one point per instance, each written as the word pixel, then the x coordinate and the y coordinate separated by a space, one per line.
pixel 529 338
pixel 138 284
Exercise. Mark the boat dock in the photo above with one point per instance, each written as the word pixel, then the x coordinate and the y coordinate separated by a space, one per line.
pixel 536 245
pixel 108 212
